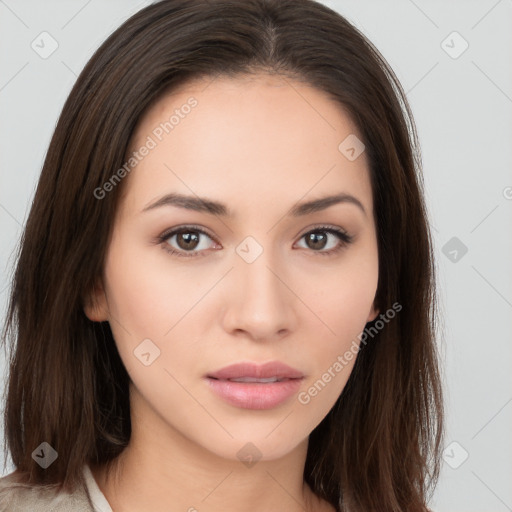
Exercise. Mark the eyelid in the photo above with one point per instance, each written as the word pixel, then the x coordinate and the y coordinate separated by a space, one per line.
pixel 168 233
pixel 191 227
pixel 344 237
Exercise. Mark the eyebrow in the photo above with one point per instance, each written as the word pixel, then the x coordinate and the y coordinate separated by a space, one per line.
pixel 209 206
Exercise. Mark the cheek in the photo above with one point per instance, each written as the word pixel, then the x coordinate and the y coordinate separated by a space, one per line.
pixel 343 305
pixel 333 356
pixel 344 310
pixel 149 299
pixel 345 300
pixel 146 294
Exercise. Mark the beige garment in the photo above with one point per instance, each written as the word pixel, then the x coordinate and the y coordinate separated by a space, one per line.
pixel 20 498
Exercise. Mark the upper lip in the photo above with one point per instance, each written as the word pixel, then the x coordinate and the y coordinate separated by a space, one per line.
pixel 258 371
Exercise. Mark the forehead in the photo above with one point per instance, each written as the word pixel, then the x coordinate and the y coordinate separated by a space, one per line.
pixel 251 138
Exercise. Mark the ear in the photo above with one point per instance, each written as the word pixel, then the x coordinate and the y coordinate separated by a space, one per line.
pixel 95 304
pixel 373 313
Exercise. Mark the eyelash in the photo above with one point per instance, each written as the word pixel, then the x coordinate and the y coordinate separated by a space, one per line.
pixel 343 236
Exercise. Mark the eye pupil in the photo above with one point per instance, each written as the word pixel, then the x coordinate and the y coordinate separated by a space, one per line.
pixel 314 237
pixel 191 240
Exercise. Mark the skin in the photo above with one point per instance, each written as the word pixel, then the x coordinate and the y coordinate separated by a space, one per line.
pixel 258 144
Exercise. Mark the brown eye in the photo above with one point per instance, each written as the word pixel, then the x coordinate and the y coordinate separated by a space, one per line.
pixel 317 240
pixel 186 241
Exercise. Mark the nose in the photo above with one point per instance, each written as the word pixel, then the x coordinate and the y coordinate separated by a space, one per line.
pixel 260 303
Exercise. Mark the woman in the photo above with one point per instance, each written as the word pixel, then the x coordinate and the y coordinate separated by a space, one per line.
pixel 279 353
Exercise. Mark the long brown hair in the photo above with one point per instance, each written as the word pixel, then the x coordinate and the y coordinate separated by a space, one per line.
pixel 379 447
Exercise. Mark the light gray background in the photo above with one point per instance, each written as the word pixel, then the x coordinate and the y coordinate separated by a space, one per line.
pixel 463 110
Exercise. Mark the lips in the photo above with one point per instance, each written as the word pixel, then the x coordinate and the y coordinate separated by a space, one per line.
pixel 253 386
pixel 250 372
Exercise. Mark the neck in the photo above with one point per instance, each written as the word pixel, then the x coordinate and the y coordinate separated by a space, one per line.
pixel 160 467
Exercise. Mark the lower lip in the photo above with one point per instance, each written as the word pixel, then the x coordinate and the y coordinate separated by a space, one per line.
pixel 253 395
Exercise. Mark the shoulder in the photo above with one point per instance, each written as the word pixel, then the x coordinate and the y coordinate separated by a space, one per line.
pixel 19 497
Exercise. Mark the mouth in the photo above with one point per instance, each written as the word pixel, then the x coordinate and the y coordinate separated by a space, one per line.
pixel 268 372
pixel 256 380
pixel 257 387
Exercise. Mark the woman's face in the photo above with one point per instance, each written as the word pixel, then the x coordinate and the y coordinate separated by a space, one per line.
pixel 259 279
